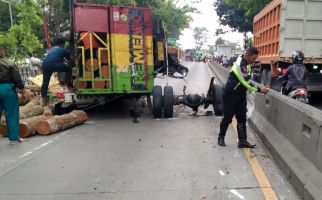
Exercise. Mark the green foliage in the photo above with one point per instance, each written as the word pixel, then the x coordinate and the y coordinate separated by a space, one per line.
pixel 237 14
pixel 200 36
pixel 26 36
pixel 220 40
pixel 21 40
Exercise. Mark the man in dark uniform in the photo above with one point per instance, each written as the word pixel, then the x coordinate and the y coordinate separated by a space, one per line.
pixel 10 80
pixel 235 102
pixel 55 62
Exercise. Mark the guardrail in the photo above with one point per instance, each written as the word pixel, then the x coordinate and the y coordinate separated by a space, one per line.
pixel 292 132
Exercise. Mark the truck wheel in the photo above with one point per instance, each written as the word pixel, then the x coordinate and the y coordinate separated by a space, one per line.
pixel 157 101
pixel 264 75
pixel 168 101
pixel 218 100
pixel 269 79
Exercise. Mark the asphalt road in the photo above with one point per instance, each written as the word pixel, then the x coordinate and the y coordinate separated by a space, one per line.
pixel 109 157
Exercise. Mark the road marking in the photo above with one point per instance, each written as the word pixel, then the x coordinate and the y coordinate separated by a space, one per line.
pixel 259 173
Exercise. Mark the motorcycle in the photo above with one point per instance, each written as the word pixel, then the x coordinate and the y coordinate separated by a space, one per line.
pixel 299 94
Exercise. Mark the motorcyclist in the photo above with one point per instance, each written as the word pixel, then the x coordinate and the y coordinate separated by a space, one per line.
pixel 295 74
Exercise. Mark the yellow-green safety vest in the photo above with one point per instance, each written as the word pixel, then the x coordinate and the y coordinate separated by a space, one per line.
pixel 241 76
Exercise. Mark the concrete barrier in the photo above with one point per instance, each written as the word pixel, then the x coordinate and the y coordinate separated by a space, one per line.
pixel 292 132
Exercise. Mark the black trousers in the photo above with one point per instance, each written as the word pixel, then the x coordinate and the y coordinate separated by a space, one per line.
pixel 235 104
pixel 49 69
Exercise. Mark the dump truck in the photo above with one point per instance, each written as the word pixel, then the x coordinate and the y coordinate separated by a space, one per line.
pixel 118 53
pixel 281 28
pixel 225 50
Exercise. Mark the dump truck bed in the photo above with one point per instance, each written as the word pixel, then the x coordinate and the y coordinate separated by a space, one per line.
pixel 288 25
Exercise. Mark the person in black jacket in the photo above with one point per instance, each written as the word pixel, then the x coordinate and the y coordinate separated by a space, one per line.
pixel 235 102
pixel 295 74
pixel 10 80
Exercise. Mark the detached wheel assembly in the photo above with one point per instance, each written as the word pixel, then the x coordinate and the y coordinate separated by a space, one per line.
pixel 218 100
pixel 157 101
pixel 168 101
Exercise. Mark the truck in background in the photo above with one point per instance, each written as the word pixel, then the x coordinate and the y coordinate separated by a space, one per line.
pixel 199 55
pixel 281 28
pixel 190 54
pixel 225 50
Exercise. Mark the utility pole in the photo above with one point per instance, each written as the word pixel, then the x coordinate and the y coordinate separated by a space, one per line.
pixel 10 11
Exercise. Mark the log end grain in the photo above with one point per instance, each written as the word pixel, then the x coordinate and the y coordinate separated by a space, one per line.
pixel 43 128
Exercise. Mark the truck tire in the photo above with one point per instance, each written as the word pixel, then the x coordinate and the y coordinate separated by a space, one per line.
pixel 218 100
pixel 269 79
pixel 157 101
pixel 168 101
pixel 264 75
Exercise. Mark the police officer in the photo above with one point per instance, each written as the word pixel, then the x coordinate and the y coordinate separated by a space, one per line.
pixel 10 80
pixel 55 62
pixel 235 102
pixel 295 74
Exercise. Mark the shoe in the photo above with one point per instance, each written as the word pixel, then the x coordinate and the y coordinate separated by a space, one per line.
pixel 17 141
pixel 242 137
pixel 245 144
pixel 221 141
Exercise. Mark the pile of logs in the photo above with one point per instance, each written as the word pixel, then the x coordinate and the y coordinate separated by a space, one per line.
pixel 36 119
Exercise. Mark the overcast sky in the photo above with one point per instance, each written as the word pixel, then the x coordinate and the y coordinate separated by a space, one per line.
pixel 209 19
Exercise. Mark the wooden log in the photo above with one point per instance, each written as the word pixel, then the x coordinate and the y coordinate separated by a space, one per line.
pixel 98 84
pixel 88 64
pixel 47 111
pixel 32 88
pixel 33 108
pixel 88 74
pixel 105 70
pixel 24 101
pixel 27 127
pixel 34 102
pixel 79 84
pixel 30 111
pixel 59 123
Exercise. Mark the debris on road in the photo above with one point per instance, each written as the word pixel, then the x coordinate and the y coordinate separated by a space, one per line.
pixel 36 119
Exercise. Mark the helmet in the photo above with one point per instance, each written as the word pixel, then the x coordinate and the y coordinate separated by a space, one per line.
pixel 297 57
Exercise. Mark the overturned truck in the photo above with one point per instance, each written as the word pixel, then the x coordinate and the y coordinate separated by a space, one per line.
pixel 119 51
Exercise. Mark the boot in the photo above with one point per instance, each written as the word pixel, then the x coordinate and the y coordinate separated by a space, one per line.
pixel 222 134
pixel 242 137
pixel 44 101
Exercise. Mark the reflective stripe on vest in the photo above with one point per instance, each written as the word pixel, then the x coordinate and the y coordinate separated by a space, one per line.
pixel 241 76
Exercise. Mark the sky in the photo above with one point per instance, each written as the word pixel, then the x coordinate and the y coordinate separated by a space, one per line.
pixel 209 19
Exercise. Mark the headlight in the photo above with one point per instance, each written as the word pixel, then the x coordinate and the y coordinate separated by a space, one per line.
pixel 321 71
pixel 315 67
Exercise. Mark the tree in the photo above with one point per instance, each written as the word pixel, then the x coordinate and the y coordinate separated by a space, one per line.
pixel 5 22
pixel 200 36
pixel 239 15
pixel 220 40
pixel 21 39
